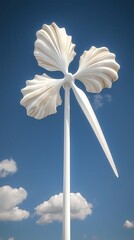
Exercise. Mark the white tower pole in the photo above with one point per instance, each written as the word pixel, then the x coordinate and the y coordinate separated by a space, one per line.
pixel 66 171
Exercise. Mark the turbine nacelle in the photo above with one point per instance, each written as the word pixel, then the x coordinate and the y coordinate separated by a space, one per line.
pixel 68 80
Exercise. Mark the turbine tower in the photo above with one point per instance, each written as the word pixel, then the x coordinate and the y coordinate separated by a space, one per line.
pixel 98 69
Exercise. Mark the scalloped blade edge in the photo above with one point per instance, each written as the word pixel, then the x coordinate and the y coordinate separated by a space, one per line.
pixel 90 115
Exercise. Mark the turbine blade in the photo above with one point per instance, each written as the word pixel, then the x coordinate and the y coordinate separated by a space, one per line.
pixel 89 113
pixel 54 49
pixel 41 96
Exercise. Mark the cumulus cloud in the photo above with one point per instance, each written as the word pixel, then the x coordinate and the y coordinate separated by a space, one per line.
pixel 7 167
pixel 99 100
pixel 10 198
pixel 51 210
pixel 129 224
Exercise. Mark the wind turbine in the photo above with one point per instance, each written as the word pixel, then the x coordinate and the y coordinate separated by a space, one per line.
pixel 98 69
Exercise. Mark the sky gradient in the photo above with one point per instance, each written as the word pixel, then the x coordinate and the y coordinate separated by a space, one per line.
pixel 31 151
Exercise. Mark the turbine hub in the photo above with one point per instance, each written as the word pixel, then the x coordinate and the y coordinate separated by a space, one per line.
pixel 68 79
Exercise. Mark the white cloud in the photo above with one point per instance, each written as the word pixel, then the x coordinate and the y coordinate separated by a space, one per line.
pixel 7 167
pixel 99 100
pixel 11 238
pixel 10 198
pixel 129 224
pixel 51 210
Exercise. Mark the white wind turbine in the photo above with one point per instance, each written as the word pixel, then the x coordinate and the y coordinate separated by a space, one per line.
pixel 98 69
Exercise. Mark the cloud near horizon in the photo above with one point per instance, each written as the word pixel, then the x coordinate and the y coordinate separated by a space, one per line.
pixel 128 224
pixel 11 238
pixel 10 198
pixel 51 210
pixel 99 100
pixel 7 167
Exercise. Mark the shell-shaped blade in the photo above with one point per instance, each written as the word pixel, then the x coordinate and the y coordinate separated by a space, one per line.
pixel 89 113
pixel 41 96
pixel 97 69
pixel 54 49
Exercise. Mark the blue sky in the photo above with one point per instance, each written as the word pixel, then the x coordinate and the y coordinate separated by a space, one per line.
pixel 33 149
